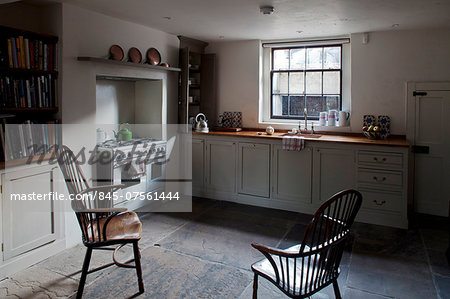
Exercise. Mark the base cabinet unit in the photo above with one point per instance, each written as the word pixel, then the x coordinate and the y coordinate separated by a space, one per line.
pixel 382 180
pixel 254 169
pixel 31 219
pixel 291 175
pixel 221 167
pixel 198 166
pixel 259 172
pixel 334 170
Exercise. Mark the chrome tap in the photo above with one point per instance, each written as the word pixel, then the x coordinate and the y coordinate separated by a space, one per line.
pixel 305 114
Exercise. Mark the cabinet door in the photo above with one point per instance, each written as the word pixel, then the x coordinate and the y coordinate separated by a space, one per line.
pixel 221 174
pixel 254 169
pixel 292 175
pixel 334 171
pixel 27 224
pixel 198 164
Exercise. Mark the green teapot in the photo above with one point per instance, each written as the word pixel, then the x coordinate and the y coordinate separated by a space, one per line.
pixel 123 134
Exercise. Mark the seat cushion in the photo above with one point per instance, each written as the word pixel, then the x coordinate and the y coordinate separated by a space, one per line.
pixel 286 270
pixel 122 226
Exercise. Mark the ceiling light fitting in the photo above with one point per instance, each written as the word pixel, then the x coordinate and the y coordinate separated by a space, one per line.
pixel 266 10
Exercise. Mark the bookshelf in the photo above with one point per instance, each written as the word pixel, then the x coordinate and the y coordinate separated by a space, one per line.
pixel 28 95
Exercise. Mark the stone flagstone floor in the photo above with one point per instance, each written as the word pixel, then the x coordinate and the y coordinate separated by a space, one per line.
pixel 207 254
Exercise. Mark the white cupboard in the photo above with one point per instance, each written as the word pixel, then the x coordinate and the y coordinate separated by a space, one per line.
pixel 334 170
pixel 259 172
pixel 254 169
pixel 221 167
pixel 32 220
pixel 198 166
pixel 291 175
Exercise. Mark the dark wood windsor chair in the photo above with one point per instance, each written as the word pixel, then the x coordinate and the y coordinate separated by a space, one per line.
pixel 306 268
pixel 102 226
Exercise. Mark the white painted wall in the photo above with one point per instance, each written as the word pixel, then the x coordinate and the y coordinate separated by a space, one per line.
pixel 238 78
pixel 379 71
pixel 381 68
pixel 115 102
pixel 86 33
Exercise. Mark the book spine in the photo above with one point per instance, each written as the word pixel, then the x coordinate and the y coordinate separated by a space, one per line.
pixel 22 52
pixel 39 92
pixel 50 57
pixel 41 58
pixel 45 57
pixel 22 93
pixel 36 54
pixel 27 52
pixel 10 57
pixel 19 55
pixel 27 84
pixel 31 50
pixel 14 52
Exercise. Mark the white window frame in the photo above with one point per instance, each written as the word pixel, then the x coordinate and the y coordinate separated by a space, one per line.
pixel 265 72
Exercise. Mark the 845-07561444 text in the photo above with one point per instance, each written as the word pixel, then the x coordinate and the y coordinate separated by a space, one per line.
pixel 154 196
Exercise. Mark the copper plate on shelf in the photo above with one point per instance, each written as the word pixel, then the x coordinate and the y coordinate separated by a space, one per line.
pixel 153 56
pixel 116 53
pixel 134 55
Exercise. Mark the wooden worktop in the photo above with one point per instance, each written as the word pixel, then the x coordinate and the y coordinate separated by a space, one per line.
pixel 397 141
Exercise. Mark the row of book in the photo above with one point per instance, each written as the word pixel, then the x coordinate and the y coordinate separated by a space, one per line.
pixel 32 54
pixel 28 139
pixel 31 92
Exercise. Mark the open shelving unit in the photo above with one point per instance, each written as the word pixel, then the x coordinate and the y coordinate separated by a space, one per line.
pixel 28 95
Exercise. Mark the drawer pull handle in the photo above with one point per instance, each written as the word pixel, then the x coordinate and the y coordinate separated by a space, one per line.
pixel 379 160
pixel 379 204
pixel 379 180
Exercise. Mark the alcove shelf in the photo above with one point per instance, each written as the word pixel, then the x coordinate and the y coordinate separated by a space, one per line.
pixel 128 64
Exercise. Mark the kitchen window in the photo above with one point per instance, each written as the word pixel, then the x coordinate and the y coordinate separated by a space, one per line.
pixel 303 75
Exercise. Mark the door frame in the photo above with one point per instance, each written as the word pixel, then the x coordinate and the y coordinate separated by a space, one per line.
pixel 410 124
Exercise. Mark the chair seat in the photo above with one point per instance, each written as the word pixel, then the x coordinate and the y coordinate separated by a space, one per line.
pixel 265 268
pixel 124 226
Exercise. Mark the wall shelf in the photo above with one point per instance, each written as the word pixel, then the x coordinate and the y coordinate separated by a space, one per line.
pixel 126 63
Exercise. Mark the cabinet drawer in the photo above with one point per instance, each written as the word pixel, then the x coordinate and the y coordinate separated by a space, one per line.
pixel 380 179
pixel 381 201
pixel 392 160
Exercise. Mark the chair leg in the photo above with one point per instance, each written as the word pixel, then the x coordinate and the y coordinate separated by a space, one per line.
pixel 337 294
pixel 84 272
pixel 255 286
pixel 137 260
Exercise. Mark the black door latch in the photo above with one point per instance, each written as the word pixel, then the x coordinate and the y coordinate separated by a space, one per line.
pixel 420 149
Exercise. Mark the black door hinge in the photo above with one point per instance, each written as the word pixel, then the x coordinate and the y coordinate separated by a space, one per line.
pixel 419 93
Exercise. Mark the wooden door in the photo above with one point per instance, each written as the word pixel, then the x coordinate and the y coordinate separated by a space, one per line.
pixel 221 174
pixel 334 171
pixel 254 169
pixel 292 175
pixel 432 152
pixel 27 224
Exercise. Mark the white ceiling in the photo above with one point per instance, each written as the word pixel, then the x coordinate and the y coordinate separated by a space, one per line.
pixel 241 19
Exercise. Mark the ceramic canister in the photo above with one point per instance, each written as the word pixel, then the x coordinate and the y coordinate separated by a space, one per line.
pixel 332 114
pixel 343 118
pixel 322 119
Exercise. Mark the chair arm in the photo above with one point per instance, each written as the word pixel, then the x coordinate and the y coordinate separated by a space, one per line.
pixel 276 251
pixel 104 187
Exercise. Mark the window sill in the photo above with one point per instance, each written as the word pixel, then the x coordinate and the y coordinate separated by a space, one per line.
pixel 287 125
